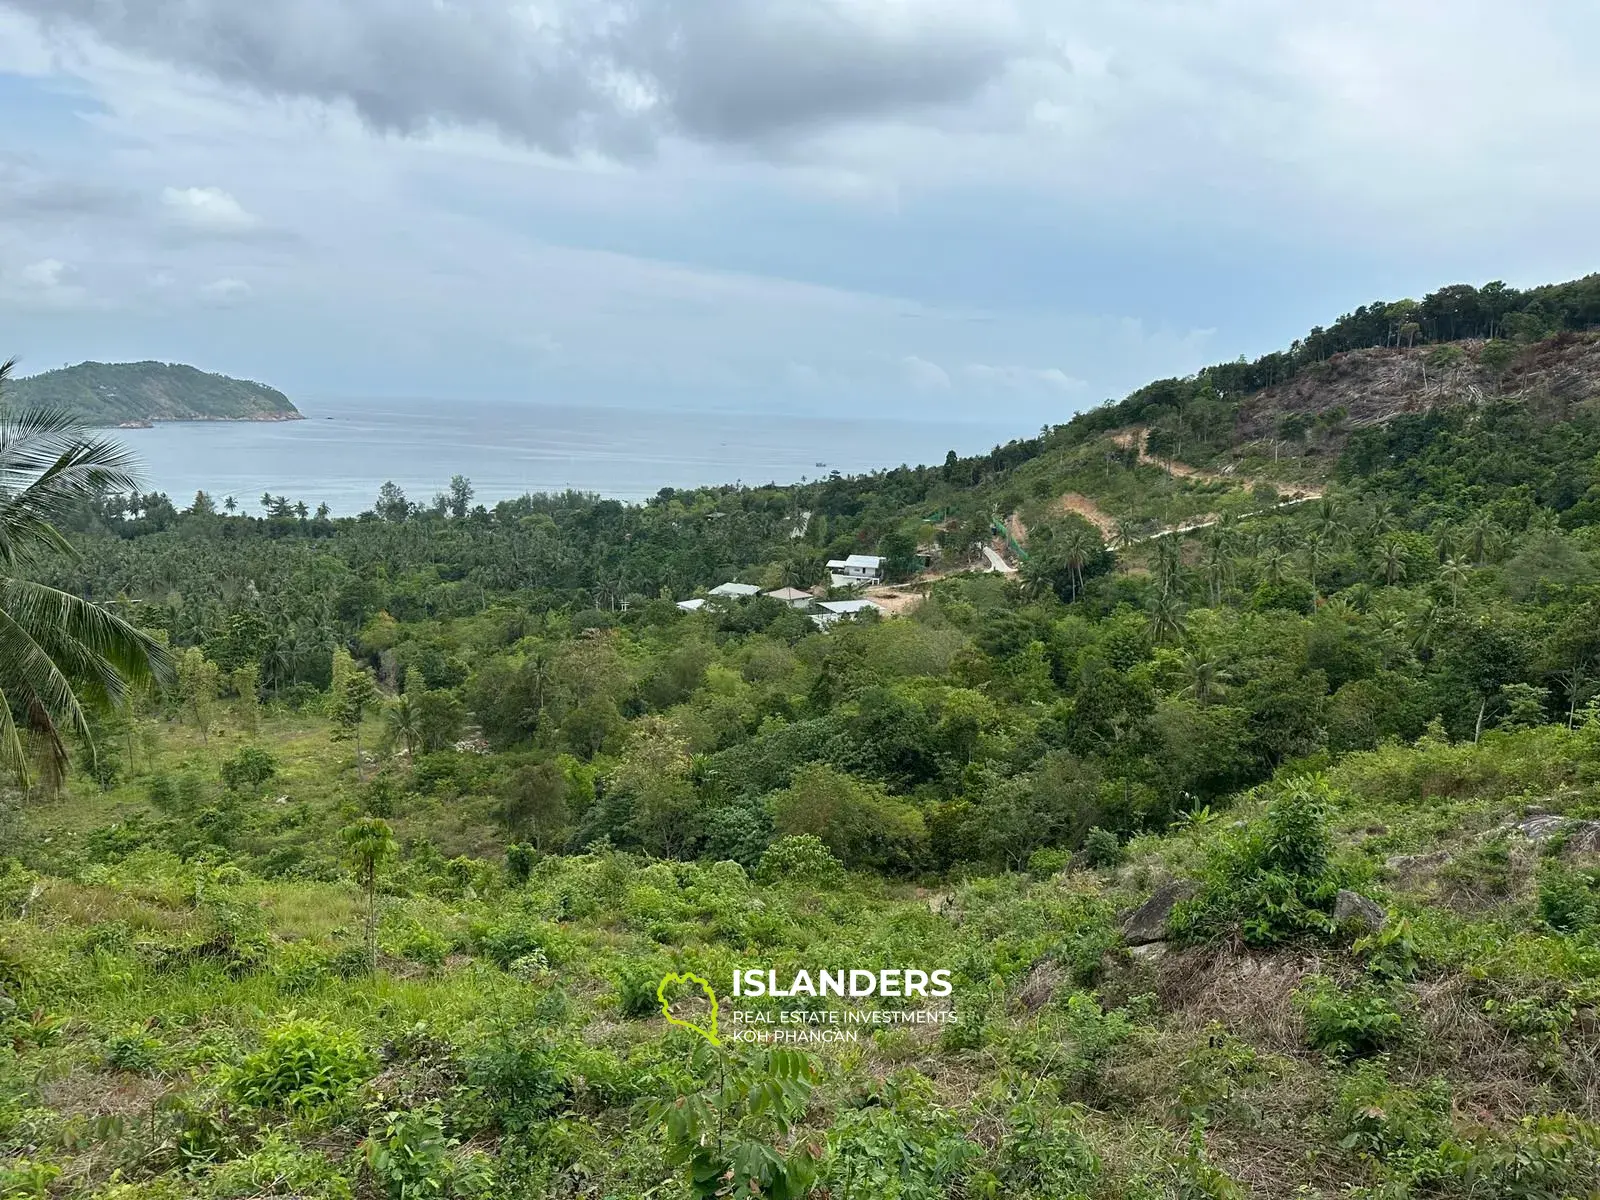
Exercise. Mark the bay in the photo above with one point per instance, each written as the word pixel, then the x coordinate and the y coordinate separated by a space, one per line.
pixel 346 449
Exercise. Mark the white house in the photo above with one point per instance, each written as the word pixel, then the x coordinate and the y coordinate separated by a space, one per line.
pixel 834 610
pixel 691 605
pixel 793 597
pixel 856 570
pixel 740 590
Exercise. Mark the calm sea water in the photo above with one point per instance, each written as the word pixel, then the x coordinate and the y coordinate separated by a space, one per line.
pixel 345 449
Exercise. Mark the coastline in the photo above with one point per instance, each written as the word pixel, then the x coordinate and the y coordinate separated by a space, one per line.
pixel 152 422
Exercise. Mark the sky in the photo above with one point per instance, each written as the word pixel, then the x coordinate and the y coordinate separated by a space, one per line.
pixel 950 209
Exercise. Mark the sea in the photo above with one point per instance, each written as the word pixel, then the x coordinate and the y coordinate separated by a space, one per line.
pixel 346 449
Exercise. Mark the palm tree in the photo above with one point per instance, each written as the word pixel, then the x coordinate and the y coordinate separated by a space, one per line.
pixel 401 720
pixel 1080 545
pixel 60 655
pixel 1316 541
pixel 1274 565
pixel 1327 521
pixel 1208 679
pixel 1169 563
pixel 1167 620
pixel 1380 520
pixel 1392 561
pixel 1482 535
pixel 1454 572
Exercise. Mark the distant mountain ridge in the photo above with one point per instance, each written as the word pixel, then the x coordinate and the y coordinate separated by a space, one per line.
pixel 138 393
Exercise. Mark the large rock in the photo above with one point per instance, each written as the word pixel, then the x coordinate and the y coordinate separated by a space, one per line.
pixel 1358 910
pixel 1148 922
pixel 1579 837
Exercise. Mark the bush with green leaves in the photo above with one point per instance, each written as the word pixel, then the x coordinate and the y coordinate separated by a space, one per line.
pixel 1352 1021
pixel 636 982
pixel 799 858
pixel 1271 882
pixel 1398 1127
pixel 895 1140
pixel 733 1134
pixel 1100 848
pixel 1569 900
pixel 249 770
pixel 302 1066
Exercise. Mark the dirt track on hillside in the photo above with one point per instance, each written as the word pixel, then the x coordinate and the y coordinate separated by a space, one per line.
pixel 1138 437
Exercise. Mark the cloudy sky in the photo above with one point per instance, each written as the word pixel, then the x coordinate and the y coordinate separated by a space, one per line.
pixel 902 207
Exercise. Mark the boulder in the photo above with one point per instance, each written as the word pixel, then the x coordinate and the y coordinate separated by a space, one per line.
pixel 1357 909
pixel 1148 922
pixel 1579 837
pixel 1039 987
pixel 1149 952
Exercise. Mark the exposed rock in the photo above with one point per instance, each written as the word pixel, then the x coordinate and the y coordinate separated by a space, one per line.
pixel 1148 922
pixel 1357 909
pixel 1039 988
pixel 1410 866
pixel 1581 837
pixel 1149 952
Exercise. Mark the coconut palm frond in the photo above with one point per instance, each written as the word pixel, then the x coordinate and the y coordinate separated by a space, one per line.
pixel 48 465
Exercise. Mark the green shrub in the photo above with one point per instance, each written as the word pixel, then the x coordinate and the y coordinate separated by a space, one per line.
pixel 801 858
pixel 1042 864
pixel 1391 952
pixel 409 1157
pixel 278 1167
pixel 1569 901
pixel 1401 1128
pixel 1273 881
pixel 249 770
pixel 520 858
pixel 134 1049
pixel 302 1066
pixel 636 983
pixel 1352 1022
pixel 1100 848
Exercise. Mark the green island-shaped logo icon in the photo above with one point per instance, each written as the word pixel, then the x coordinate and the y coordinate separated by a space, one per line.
pixel 710 1034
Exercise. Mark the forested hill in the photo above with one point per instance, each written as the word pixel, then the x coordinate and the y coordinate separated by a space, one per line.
pixel 1254 815
pixel 119 393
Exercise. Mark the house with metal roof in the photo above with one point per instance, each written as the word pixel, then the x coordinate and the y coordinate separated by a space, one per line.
pixel 793 597
pixel 694 605
pixel 856 570
pixel 836 610
pixel 735 590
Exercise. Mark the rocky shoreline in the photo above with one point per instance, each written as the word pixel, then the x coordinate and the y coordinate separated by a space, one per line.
pixel 152 422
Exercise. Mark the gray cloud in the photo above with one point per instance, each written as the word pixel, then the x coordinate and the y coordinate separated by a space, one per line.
pixel 573 75
pixel 29 194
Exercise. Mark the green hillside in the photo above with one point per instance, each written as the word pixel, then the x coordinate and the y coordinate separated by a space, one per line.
pixel 1254 820
pixel 115 393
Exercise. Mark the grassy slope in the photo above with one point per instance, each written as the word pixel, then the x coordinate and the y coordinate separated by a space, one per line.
pixel 148 978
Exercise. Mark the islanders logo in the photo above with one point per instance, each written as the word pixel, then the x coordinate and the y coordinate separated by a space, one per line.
pixel 709 1029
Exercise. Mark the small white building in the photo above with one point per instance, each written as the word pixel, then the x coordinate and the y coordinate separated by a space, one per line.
pixel 735 590
pixel 836 610
pixel 856 570
pixel 793 597
pixel 694 605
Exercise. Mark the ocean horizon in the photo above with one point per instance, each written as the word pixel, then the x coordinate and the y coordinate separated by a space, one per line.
pixel 345 449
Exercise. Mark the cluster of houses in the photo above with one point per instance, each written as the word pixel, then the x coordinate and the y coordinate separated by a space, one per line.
pixel 858 570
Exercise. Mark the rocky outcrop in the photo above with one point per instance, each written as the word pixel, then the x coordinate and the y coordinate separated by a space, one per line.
pixel 1578 836
pixel 1148 922
pixel 1355 909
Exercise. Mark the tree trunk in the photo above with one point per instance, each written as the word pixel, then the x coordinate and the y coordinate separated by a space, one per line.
pixel 372 921
pixel 1478 730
